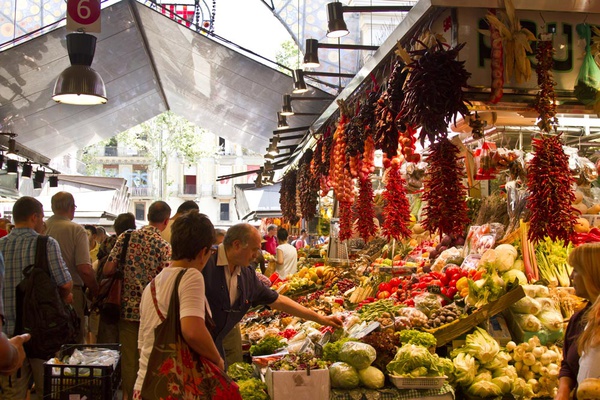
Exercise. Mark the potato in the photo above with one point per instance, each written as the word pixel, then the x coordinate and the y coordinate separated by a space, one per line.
pixel 589 389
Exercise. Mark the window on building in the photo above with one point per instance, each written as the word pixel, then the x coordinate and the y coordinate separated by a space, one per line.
pixel 111 170
pixel 189 184
pixel 222 143
pixel 224 216
pixel 140 211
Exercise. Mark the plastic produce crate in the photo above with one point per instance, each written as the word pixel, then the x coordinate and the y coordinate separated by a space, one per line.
pixel 74 382
pixel 435 382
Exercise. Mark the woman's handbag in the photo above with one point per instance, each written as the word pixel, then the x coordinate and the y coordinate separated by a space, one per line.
pixel 174 370
pixel 108 300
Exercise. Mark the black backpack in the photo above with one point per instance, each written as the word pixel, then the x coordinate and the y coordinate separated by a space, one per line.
pixel 41 311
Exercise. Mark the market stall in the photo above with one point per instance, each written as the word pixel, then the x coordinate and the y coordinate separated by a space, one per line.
pixel 462 288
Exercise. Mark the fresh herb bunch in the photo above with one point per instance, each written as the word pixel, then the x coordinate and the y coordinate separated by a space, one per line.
pixel 268 345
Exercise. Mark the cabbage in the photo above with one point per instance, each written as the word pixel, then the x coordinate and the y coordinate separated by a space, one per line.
pixel 521 389
pixel 465 367
pixel 343 376
pixel 526 305
pixel 483 375
pixel 504 383
pixel 500 361
pixel 481 345
pixel 414 360
pixel 512 274
pixel 372 378
pixel 506 254
pixel 359 355
pixel 484 389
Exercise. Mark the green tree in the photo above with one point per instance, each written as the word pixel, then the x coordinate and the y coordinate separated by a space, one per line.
pixel 288 56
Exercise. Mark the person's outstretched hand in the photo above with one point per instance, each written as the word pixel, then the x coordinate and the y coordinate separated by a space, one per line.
pixel 334 321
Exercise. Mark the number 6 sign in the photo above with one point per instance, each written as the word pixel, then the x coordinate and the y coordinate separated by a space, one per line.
pixel 83 15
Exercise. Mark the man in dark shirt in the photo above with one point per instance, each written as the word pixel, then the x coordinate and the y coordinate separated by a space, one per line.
pixel 232 287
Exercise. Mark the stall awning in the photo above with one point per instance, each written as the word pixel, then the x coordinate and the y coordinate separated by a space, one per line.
pixel 150 64
pixel 256 203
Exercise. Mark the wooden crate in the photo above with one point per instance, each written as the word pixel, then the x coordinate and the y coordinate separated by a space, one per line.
pixel 446 333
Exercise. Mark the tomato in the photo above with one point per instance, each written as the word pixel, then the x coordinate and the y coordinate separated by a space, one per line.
pixel 384 287
pixel 409 303
pixel 444 291
pixel 452 270
pixel 445 279
pixel 451 292
pixel 452 283
pixel 426 278
pixel 383 295
pixel 436 274
pixel 395 281
pixel 436 282
pixel 393 289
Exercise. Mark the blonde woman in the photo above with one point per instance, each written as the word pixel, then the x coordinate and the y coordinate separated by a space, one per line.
pixel 579 339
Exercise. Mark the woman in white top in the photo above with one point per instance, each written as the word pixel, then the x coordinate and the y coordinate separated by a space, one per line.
pixel 588 344
pixel 192 236
pixel 286 256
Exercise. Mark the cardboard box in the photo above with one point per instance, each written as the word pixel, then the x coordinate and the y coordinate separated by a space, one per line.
pixel 298 385
pixel 498 329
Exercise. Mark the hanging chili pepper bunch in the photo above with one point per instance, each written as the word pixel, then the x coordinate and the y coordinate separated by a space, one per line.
pixel 324 166
pixel 386 112
pixel 446 210
pixel 287 197
pixel 408 142
pixel 307 187
pixel 396 212
pixel 545 99
pixel 433 94
pixel 357 132
pixel 550 186
pixel 364 211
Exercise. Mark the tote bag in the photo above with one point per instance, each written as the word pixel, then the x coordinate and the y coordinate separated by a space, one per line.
pixel 174 370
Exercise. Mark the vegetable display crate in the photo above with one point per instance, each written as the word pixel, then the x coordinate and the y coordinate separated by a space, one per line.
pixel 426 382
pixel 450 331
pixel 298 385
pixel 74 382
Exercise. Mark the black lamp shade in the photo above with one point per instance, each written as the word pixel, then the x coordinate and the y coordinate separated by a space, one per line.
pixel 27 170
pixel 39 176
pixel 281 121
pixel 1 160
pixel 299 84
pixel 12 146
pixel 336 27
pixel 12 167
pixel 287 105
pixel 311 57
pixel 37 185
pixel 53 181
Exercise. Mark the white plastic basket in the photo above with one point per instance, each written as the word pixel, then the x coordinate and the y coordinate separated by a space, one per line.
pixel 435 382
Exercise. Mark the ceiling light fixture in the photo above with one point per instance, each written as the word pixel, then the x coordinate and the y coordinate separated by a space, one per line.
pixel 39 176
pixel 80 84
pixel 281 121
pixel 299 84
pixel 53 181
pixel 37 185
pixel 273 150
pixel 336 27
pixel 12 167
pixel 311 57
pixel 27 171
pixel 287 106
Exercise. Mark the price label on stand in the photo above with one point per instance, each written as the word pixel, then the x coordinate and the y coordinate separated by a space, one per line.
pixel 83 15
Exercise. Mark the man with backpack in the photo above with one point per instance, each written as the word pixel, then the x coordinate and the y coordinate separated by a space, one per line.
pixel 19 252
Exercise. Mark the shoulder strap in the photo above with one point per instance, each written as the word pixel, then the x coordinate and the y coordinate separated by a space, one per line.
pixel 174 303
pixel 41 253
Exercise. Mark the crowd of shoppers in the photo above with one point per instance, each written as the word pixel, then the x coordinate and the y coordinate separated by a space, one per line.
pixel 80 256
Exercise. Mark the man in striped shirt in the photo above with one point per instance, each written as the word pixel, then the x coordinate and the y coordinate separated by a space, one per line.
pixel 18 250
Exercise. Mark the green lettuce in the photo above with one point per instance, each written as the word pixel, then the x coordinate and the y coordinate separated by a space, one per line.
pixel 465 368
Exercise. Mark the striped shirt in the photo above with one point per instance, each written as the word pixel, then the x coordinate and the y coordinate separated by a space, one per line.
pixel 18 250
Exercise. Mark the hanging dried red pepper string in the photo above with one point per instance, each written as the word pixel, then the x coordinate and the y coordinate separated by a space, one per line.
pixel 550 186
pixel 396 213
pixel 545 99
pixel 287 197
pixel 386 112
pixel 446 209
pixel 308 187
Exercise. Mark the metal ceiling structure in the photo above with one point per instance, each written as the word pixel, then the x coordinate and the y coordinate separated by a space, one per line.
pixel 149 64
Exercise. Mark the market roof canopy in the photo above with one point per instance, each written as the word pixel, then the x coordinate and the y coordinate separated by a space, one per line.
pixel 149 64
pixel 256 203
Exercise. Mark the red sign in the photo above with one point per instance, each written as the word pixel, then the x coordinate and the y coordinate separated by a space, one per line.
pixel 83 15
